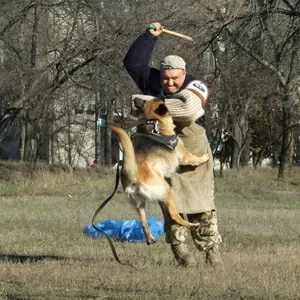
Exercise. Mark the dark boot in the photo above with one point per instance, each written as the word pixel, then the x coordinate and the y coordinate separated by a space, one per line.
pixel 183 256
pixel 213 258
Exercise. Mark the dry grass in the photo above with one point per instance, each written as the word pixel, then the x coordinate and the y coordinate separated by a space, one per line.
pixel 44 254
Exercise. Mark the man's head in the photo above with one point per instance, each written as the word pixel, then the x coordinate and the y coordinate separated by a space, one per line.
pixel 172 73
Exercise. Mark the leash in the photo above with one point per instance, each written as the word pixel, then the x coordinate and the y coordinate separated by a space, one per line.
pixel 109 239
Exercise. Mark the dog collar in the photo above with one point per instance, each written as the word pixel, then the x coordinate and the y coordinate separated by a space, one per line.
pixel 170 141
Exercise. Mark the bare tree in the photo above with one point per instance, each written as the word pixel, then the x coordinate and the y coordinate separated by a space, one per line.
pixel 66 55
pixel 268 32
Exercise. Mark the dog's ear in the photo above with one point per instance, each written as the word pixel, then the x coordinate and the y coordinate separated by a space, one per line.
pixel 161 109
pixel 139 103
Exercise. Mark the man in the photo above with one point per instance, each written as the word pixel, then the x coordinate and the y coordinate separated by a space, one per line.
pixel 185 98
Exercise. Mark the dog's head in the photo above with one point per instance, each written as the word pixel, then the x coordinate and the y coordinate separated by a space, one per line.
pixel 150 109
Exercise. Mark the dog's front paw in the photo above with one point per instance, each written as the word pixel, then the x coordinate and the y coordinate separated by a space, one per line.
pixel 194 160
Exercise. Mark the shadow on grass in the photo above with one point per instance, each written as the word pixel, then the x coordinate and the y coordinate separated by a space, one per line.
pixel 15 258
pixel 16 297
pixel 34 297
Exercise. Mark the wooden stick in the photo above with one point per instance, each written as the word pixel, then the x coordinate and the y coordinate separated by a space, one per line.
pixel 183 36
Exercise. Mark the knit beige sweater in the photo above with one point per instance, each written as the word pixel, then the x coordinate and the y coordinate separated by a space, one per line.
pixel 185 108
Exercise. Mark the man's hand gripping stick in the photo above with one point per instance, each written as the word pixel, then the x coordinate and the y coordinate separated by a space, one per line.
pixel 183 36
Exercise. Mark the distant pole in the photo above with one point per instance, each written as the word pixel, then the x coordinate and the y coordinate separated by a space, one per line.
pixel 97 138
pixel 100 137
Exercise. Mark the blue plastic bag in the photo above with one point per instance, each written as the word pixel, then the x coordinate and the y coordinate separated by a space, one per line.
pixel 110 227
pixel 128 230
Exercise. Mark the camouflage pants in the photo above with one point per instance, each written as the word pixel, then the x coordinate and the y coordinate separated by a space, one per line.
pixel 204 238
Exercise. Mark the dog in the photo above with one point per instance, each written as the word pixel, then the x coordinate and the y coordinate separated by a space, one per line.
pixel 146 165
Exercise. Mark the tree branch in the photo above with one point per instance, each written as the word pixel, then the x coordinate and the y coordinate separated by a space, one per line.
pixel 260 60
pixel 16 19
pixel 4 40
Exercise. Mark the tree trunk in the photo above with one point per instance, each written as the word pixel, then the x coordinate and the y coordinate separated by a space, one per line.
pixel 69 128
pixel 30 140
pixel 291 149
pixel 245 155
pixel 286 121
pixel 236 147
pixel 44 142
pixel 245 148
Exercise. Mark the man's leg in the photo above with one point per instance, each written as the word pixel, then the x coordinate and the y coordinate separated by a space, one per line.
pixel 207 237
pixel 176 236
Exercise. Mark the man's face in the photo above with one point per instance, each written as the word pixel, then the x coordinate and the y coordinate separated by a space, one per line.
pixel 172 80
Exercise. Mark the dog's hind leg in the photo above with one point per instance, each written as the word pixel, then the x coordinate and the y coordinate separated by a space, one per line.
pixel 141 211
pixel 170 205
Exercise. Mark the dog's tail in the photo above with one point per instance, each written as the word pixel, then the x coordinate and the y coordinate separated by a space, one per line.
pixel 129 163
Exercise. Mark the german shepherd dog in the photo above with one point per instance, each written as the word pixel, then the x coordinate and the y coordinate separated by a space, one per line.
pixel 146 166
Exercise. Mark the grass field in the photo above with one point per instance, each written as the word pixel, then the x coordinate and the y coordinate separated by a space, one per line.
pixel 45 255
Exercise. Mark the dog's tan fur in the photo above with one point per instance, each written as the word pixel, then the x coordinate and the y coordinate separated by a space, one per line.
pixel 146 167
